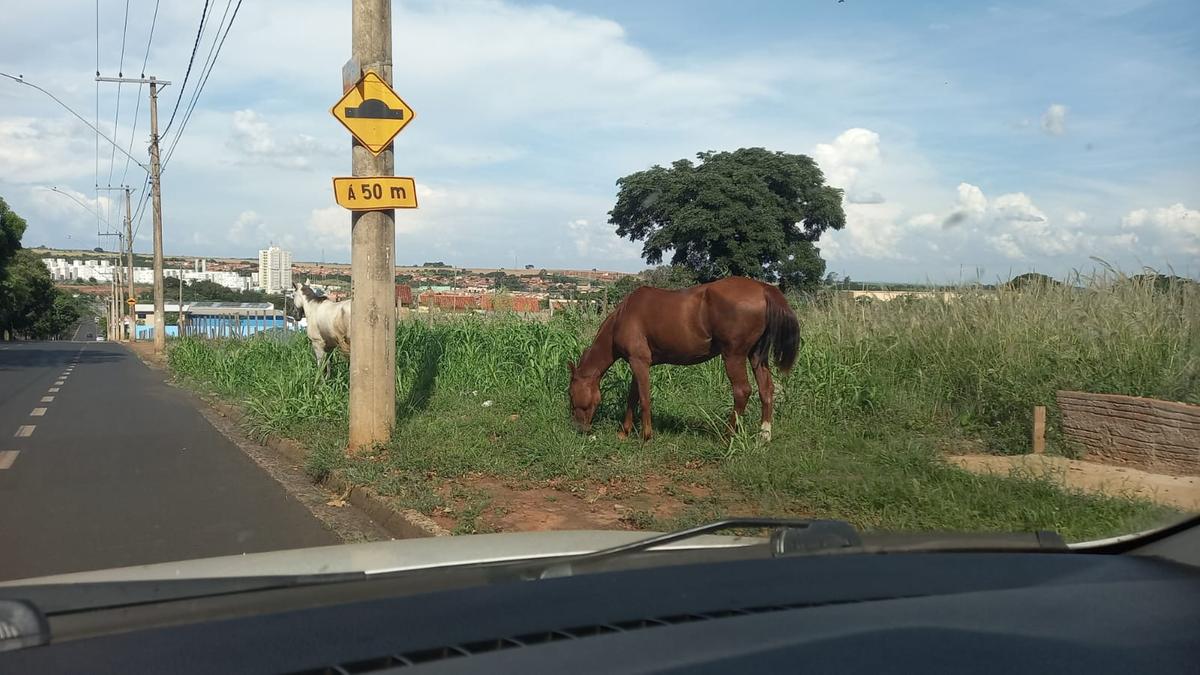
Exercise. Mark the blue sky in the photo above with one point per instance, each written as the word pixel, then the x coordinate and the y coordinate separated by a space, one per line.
pixel 971 138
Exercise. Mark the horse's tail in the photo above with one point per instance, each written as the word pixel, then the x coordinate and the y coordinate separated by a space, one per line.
pixel 782 334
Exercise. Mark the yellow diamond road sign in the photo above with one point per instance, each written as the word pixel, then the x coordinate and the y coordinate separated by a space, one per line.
pixel 130 301
pixel 373 112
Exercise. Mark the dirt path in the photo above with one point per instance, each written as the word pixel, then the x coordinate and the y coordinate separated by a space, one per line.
pixel 1182 492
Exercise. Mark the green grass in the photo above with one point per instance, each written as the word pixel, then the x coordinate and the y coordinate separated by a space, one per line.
pixel 879 393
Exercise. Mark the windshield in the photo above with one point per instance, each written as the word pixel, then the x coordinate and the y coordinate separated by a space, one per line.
pixel 285 275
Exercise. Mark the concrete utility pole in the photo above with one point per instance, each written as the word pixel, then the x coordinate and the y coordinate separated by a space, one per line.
pixel 372 257
pixel 160 329
pixel 160 338
pixel 129 268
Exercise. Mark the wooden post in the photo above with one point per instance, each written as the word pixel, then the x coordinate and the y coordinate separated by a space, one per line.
pixel 1039 429
pixel 372 257
pixel 160 331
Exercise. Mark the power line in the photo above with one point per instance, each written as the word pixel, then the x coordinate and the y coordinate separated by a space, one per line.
pixel 112 154
pixel 188 72
pixel 96 117
pixel 22 80
pixel 76 200
pixel 212 63
pixel 202 78
pixel 138 107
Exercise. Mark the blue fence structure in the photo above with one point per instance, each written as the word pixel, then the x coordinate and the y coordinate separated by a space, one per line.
pixel 225 320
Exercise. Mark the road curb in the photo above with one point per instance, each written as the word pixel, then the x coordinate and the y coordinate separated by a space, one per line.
pixel 398 522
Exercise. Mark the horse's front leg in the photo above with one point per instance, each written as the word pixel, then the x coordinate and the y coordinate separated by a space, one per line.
pixel 735 369
pixel 318 347
pixel 641 377
pixel 631 402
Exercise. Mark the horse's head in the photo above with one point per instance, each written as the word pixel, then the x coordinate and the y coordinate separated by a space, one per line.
pixel 298 297
pixel 585 397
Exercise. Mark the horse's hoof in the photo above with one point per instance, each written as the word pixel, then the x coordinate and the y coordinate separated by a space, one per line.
pixel 622 435
pixel 764 436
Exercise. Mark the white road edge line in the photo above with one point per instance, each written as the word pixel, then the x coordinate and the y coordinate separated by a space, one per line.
pixel 25 430
pixel 7 457
pixel 37 412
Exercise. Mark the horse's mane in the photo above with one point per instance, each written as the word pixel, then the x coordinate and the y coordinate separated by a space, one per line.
pixel 311 295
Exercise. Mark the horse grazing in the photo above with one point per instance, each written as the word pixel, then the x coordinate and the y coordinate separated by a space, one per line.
pixel 328 323
pixel 737 318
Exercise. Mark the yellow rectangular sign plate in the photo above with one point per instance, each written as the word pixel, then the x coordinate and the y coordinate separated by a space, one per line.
pixel 372 193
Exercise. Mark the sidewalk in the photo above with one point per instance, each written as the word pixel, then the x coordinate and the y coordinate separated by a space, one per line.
pixel 1181 492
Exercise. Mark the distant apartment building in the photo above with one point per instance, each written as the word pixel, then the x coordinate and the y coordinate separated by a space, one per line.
pixel 91 269
pixel 102 271
pixel 274 269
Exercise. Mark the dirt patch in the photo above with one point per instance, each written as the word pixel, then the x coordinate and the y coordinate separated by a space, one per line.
pixel 144 349
pixel 480 503
pixel 1182 492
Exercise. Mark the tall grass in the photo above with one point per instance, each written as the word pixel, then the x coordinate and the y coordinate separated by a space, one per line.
pixel 879 391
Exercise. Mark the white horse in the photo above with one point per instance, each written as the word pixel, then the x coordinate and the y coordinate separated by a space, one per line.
pixel 328 324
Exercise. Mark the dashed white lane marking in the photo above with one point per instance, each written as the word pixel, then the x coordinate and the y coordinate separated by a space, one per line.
pixel 47 399
pixel 37 412
pixel 25 430
pixel 53 390
pixel 59 383
pixel 7 458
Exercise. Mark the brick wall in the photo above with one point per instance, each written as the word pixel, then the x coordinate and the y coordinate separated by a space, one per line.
pixel 1160 436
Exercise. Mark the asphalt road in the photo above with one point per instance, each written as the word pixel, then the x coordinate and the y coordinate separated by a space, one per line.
pixel 102 464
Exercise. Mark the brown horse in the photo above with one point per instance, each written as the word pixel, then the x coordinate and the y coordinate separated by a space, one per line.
pixel 737 318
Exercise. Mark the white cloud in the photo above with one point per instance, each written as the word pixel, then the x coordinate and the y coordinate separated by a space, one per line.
pixel 844 161
pixel 593 240
pixel 1054 120
pixel 40 150
pixel 329 229
pixel 1169 231
pixel 1076 217
pixel 971 205
pixel 253 141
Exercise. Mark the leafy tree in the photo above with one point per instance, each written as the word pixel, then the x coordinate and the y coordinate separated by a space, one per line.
pixel 205 290
pixel 665 276
pixel 12 228
pixel 1032 280
pixel 30 305
pixel 749 212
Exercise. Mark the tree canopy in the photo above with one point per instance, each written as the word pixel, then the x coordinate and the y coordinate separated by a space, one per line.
pixel 30 305
pixel 12 228
pixel 750 212
pixel 204 290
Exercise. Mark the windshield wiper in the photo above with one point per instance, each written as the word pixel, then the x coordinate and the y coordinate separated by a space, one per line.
pixel 790 537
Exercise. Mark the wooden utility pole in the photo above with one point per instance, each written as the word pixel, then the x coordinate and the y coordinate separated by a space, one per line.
pixel 372 257
pixel 160 329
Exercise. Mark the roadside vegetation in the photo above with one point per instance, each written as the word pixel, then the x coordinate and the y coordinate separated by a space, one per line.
pixel 31 306
pixel 881 392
